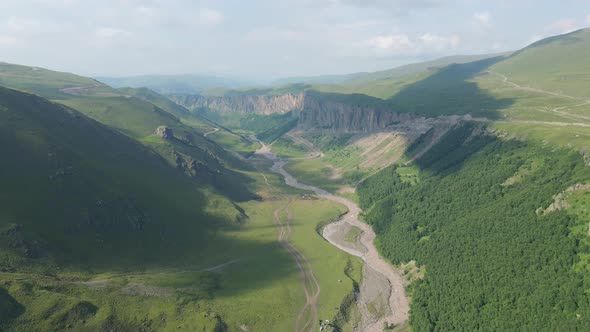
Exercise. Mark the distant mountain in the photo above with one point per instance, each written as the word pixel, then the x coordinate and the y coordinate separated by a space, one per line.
pixel 174 84
pixel 383 74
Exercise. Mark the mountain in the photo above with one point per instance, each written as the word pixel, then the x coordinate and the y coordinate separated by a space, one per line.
pixel 136 114
pixel 560 63
pixel 81 195
pixel 394 73
pixel 169 84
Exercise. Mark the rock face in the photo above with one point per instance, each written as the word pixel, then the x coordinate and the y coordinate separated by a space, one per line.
pixel 337 116
pixel 164 132
pixel 262 104
pixel 314 110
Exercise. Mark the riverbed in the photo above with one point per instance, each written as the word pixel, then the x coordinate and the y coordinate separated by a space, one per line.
pixel 382 297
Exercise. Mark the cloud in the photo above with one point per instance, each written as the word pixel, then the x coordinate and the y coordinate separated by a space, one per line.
pixel 394 43
pixel 533 39
pixel 405 4
pixel 208 16
pixel 7 40
pixel 22 25
pixel 588 19
pixel 108 33
pixel 272 34
pixel 564 25
pixel 482 19
pixel 403 45
pixel 438 43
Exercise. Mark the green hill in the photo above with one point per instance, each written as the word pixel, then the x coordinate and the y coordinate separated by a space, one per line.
pixel 479 222
pixel 80 194
pixel 560 64
pixel 350 82
pixel 137 114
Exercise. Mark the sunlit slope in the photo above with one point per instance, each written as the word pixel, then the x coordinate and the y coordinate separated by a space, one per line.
pixel 50 84
pixel 560 64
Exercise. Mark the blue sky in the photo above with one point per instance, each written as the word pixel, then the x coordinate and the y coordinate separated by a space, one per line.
pixel 264 39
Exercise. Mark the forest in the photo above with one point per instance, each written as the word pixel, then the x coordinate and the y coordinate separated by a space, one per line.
pixel 493 259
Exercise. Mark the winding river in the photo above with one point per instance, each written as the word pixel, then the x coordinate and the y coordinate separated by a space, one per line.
pixel 375 268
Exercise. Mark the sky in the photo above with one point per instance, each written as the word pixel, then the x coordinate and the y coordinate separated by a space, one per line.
pixel 268 39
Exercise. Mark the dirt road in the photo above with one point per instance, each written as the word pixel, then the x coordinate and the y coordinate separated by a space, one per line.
pixel 308 314
pixel 211 132
pixel 397 312
pixel 557 110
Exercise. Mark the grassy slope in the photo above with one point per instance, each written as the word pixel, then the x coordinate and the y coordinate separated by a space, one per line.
pixel 75 184
pixel 183 300
pixel 138 117
pixel 560 63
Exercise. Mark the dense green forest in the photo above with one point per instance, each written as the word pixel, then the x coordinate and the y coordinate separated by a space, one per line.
pixel 492 260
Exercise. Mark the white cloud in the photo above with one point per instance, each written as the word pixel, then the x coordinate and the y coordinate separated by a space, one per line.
pixel 404 45
pixel 21 25
pixel 438 43
pixel 273 34
pixel 564 25
pixel 482 19
pixel 108 32
pixel 533 39
pixel 394 43
pixel 389 4
pixel 588 19
pixel 208 16
pixel 7 40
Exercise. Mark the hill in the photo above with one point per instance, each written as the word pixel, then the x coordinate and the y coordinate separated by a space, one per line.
pixel 136 114
pixel 72 185
pixel 173 84
pixel 390 74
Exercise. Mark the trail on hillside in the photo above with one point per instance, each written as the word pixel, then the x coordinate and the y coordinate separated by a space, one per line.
pixel 308 314
pixel 557 110
pixel 211 132
pixel 398 305
pixel 314 153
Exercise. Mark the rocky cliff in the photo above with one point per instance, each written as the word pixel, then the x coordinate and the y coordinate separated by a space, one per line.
pixel 262 104
pixel 327 114
pixel 314 110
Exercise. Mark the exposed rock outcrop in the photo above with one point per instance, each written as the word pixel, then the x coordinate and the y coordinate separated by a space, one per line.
pixel 164 132
pixel 315 110
pixel 17 240
pixel 343 117
pixel 262 104
pixel 560 200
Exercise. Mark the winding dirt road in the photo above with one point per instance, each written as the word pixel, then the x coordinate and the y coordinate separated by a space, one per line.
pixel 211 132
pixel 308 314
pixel 557 110
pixel 398 302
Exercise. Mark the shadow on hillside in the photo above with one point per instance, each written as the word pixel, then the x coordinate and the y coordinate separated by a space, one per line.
pixel 449 91
pixel 9 308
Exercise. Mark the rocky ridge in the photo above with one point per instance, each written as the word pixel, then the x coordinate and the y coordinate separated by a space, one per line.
pixel 314 110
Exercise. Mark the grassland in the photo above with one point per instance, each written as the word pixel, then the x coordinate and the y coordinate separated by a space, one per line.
pixel 259 287
pixel 174 254
pixel 286 148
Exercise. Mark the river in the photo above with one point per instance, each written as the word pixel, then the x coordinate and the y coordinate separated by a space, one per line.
pixel 398 305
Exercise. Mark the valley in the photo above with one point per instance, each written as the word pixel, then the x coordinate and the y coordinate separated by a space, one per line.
pixel 396 310
pixel 450 194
